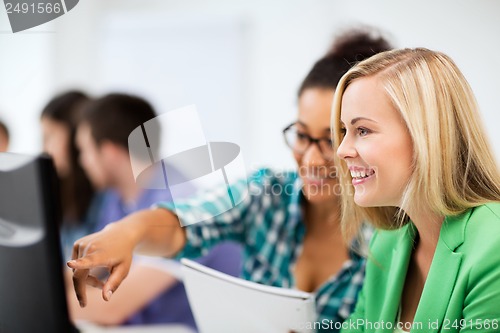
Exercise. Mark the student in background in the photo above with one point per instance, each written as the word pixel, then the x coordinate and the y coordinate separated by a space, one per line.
pixel 417 164
pixel 58 120
pixel 4 137
pixel 291 237
pixel 150 295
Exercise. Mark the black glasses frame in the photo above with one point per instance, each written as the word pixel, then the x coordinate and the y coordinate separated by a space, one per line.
pixel 311 141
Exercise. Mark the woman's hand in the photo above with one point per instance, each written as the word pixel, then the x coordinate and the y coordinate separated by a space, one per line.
pixel 111 248
pixel 151 231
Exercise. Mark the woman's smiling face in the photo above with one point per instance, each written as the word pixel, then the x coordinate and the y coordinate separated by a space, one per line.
pixel 377 146
pixel 316 168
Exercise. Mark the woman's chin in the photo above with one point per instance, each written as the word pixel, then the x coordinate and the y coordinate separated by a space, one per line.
pixel 364 201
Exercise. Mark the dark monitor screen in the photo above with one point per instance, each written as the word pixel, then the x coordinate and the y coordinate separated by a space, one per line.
pixel 32 293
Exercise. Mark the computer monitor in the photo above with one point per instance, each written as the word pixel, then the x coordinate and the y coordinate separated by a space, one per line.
pixel 32 293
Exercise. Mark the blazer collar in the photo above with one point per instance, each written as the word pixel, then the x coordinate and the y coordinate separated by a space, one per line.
pixel 440 280
pixel 453 230
pixel 443 273
pixel 397 272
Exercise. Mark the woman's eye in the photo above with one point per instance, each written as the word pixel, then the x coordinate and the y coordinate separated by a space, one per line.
pixel 363 131
pixel 302 136
pixel 342 131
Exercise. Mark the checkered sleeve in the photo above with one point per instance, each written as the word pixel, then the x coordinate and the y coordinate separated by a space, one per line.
pixel 215 227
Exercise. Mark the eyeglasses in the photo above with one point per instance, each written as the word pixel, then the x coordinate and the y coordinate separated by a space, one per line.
pixel 300 142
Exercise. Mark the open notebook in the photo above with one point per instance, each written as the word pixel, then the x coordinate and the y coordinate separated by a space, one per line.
pixel 222 303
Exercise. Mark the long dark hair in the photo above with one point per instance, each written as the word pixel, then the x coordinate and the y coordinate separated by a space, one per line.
pixel 75 188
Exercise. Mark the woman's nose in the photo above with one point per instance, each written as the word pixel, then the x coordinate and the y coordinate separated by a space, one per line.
pixel 313 156
pixel 346 149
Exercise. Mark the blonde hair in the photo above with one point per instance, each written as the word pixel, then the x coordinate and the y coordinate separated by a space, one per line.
pixel 453 166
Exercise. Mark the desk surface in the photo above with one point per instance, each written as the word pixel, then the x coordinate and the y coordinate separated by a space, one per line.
pixel 89 328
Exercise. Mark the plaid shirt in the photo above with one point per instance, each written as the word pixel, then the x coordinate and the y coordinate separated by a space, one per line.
pixel 269 223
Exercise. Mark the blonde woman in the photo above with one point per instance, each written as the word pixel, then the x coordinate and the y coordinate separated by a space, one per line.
pixel 417 164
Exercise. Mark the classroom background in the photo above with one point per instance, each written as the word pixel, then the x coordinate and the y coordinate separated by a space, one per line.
pixel 240 62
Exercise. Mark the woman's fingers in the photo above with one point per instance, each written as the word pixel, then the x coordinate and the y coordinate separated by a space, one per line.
pixel 87 262
pixel 110 248
pixel 81 263
pixel 117 275
pixel 79 282
pixel 81 277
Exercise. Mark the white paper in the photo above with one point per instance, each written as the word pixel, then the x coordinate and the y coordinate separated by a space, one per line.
pixel 222 303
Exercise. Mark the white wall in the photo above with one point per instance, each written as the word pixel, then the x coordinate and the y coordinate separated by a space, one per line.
pixel 25 81
pixel 280 40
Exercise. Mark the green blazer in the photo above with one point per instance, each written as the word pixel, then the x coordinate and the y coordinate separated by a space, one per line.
pixel 462 290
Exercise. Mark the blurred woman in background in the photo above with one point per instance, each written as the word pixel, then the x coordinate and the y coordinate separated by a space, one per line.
pixel 59 120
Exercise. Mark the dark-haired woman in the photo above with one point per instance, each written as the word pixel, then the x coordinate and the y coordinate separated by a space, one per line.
pixel 59 120
pixel 288 224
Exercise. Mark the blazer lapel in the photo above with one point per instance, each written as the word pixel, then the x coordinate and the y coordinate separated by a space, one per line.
pixel 397 274
pixel 442 274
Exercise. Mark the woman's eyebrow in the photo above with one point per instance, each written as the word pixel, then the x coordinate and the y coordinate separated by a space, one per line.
pixel 354 120
pixel 301 123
